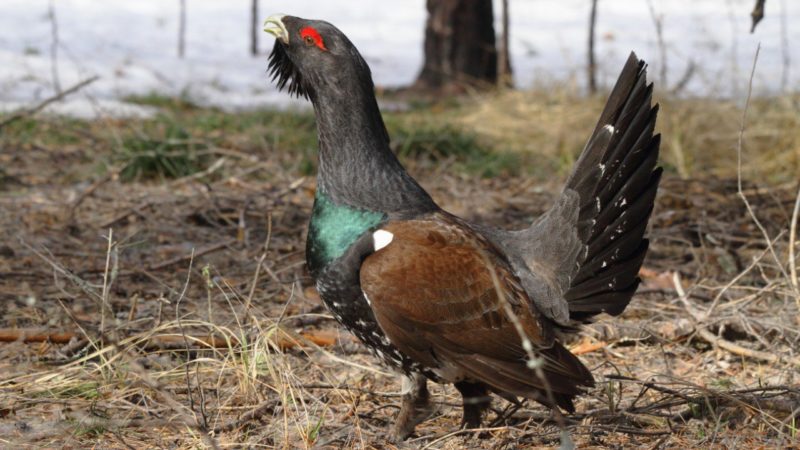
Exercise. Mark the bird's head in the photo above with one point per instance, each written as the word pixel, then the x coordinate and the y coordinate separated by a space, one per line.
pixel 310 55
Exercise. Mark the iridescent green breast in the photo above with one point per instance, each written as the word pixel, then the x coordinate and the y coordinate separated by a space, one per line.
pixel 334 228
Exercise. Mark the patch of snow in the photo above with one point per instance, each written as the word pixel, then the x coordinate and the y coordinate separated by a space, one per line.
pixel 83 108
pixel 132 45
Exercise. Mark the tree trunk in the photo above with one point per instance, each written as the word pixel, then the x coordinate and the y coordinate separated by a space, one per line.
pixel 459 45
pixel 182 29
pixel 54 43
pixel 254 28
pixel 591 67
pixel 503 58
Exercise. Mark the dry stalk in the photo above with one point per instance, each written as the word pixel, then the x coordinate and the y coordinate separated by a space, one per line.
pixel 534 362
pixel 717 341
pixel 104 303
pixel 792 245
pixel 200 252
pixel 60 96
pixel 261 259
pixel 739 146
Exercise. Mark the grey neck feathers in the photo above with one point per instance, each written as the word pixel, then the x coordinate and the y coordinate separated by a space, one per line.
pixel 356 165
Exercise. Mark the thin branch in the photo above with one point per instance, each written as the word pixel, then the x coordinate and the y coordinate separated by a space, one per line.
pixel 786 59
pixel 159 341
pixel 757 14
pixel 739 146
pixel 51 14
pixel 105 306
pixel 503 59
pixel 722 343
pixel 658 23
pixel 267 407
pixel 181 28
pixel 591 66
pixel 31 111
pixel 200 252
pixel 792 245
pixel 254 28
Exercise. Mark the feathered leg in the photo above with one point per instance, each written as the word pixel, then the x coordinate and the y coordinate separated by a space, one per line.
pixel 415 407
pixel 475 400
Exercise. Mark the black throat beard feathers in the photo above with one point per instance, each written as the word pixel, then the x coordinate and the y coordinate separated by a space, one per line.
pixel 284 73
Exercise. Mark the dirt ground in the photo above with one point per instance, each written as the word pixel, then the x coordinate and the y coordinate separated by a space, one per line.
pixel 178 313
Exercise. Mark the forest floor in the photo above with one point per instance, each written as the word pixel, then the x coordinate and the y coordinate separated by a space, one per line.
pixel 153 292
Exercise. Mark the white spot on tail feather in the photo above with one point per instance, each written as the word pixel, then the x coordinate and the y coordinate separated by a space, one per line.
pixel 407 385
pixel 382 238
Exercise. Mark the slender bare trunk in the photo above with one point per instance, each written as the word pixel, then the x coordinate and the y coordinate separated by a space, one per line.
pixel 51 13
pixel 787 62
pixel 503 59
pixel 658 23
pixel 254 28
pixel 734 71
pixel 182 29
pixel 591 66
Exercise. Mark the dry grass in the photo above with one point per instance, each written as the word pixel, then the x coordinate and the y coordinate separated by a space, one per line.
pixel 196 324
pixel 700 135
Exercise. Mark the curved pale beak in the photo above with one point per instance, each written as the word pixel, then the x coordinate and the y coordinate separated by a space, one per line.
pixel 274 26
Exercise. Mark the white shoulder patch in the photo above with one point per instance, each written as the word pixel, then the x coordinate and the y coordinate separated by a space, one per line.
pixel 382 238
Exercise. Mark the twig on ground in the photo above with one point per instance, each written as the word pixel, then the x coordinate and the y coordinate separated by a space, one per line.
pixel 108 279
pixel 792 244
pixel 267 407
pixel 249 300
pixel 160 341
pixel 87 288
pixel 88 192
pixel 34 336
pixel 132 210
pixel 731 283
pixel 195 254
pixel 722 343
pixel 31 111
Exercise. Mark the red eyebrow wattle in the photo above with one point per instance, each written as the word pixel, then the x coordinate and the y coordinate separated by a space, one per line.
pixel 314 34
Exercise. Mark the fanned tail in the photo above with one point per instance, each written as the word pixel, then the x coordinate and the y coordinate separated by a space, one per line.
pixel 616 180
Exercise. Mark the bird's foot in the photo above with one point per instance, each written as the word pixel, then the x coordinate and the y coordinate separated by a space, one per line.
pixel 414 409
pixel 475 400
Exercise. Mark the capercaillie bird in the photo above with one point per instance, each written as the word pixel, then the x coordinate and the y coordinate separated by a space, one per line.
pixel 438 298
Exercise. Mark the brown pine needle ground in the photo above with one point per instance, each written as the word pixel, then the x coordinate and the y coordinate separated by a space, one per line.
pixel 197 325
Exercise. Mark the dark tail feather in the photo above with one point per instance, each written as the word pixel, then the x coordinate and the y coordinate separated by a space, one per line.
pixel 565 376
pixel 617 182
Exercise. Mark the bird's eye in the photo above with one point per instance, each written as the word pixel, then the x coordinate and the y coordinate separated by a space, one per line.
pixel 312 37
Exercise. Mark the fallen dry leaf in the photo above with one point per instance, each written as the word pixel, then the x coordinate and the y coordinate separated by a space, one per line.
pixel 587 345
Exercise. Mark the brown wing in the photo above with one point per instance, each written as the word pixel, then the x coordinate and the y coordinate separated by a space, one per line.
pixel 434 296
